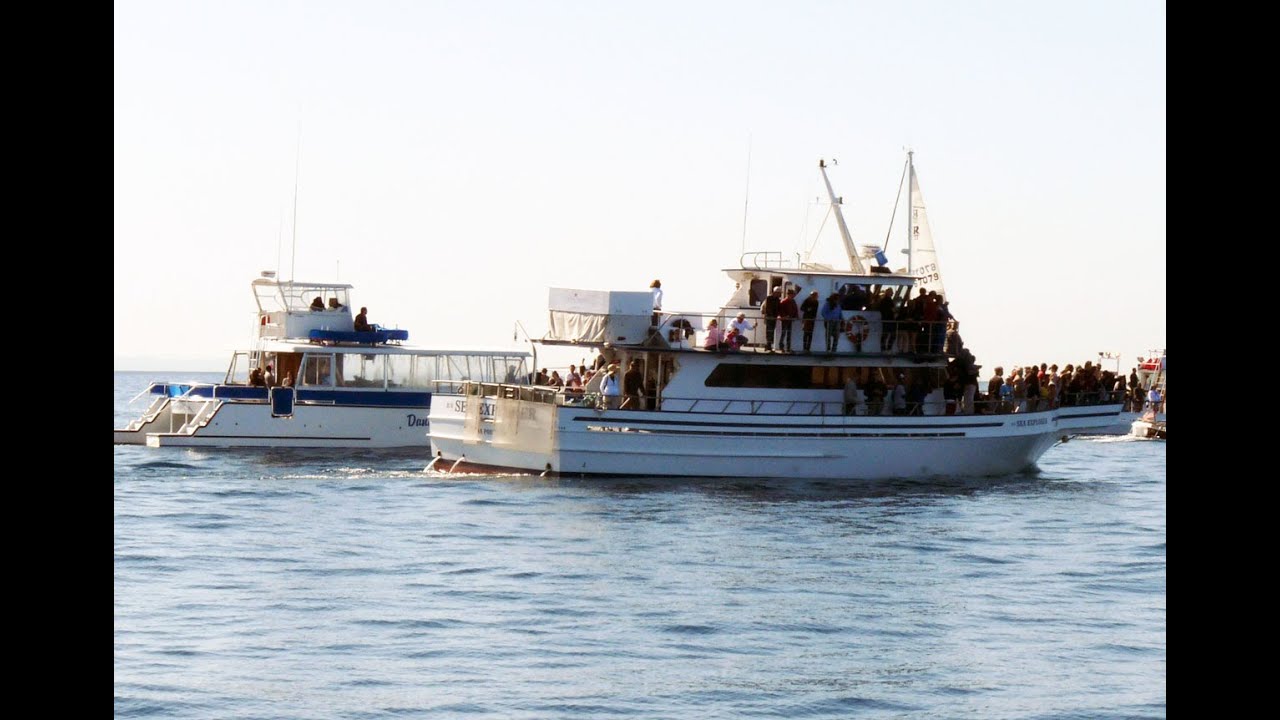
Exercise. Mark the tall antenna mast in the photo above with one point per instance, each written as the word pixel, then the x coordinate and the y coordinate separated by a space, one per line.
pixel 911 211
pixel 297 155
pixel 746 197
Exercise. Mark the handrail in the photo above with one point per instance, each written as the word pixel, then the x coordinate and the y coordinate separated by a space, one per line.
pixel 758 406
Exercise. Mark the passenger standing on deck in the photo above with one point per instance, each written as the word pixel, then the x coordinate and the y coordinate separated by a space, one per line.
pixel 362 321
pixel 850 396
pixel 656 288
pixel 808 314
pixel 611 387
pixel 900 395
pixel 769 309
pixel 787 314
pixel 269 377
pixel 831 317
pixel 633 387
pixel 993 389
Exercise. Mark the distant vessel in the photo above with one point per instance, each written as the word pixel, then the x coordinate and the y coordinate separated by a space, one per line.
pixel 350 389
pixel 753 412
pixel 1151 424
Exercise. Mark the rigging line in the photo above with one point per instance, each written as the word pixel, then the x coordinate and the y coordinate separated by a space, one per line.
pixel 818 234
pixel 896 200
pixel 297 159
pixel 746 196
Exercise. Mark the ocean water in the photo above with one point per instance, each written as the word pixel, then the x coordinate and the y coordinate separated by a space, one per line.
pixel 271 584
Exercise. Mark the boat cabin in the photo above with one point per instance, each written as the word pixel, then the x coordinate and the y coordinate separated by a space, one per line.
pixel 288 309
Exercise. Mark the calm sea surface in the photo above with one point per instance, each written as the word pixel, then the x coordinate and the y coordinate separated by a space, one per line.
pixel 291 584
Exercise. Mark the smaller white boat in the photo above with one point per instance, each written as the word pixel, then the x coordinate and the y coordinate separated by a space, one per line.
pixel 331 385
pixel 1151 424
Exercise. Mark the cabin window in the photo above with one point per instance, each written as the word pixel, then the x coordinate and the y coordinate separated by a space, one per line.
pixel 317 370
pixel 757 291
pixel 411 371
pixel 358 370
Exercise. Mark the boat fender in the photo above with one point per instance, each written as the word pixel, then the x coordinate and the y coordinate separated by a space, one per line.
pixel 856 329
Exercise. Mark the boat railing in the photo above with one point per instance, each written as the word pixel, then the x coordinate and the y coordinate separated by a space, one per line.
pixel 933 405
pixel 857 332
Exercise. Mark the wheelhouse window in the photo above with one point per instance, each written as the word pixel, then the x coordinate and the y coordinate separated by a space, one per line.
pixel 411 371
pixel 317 370
pixel 361 370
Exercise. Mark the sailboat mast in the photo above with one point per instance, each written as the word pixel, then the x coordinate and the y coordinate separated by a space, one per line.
pixel 854 263
pixel 911 211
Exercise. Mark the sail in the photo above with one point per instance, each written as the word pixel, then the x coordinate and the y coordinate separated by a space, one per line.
pixel 923 257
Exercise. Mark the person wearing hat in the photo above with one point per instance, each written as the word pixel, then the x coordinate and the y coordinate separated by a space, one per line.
pixel 808 313
pixel 611 387
pixel 739 328
pixel 900 395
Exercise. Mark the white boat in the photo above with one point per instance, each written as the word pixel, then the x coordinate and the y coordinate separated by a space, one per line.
pixel 752 413
pixel 1152 376
pixel 348 389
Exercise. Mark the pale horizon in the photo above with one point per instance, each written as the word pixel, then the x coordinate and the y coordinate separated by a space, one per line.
pixel 455 160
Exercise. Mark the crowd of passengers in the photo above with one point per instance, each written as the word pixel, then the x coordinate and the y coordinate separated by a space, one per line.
pixel 921 324
pixel 1026 389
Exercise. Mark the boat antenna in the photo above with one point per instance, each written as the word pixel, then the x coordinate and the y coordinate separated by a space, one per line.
pixel 297 157
pixel 897 199
pixel 911 171
pixel 279 241
pixel 746 196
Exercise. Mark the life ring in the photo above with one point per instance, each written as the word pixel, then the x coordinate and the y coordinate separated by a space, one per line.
pixel 857 329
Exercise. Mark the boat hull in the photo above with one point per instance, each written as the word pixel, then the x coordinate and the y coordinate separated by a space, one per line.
pixel 1148 429
pixel 537 437
pixel 359 420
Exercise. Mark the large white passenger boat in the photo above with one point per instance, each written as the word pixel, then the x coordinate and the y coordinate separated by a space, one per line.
pixel 333 387
pixel 754 412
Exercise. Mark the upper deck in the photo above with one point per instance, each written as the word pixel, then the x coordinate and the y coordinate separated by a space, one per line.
pixel 286 308
pixel 871 319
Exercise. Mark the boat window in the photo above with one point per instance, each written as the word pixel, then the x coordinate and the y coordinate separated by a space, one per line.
pixel 359 370
pixel 757 291
pixel 411 371
pixel 317 370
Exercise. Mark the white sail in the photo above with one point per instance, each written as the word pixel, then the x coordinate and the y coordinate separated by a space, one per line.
pixel 922 256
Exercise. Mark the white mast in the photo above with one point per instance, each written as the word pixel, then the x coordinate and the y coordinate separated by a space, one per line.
pixel 911 182
pixel 854 263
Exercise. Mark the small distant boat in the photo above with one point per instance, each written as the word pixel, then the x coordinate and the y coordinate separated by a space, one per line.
pixel 1151 425
pixel 701 409
pixel 347 388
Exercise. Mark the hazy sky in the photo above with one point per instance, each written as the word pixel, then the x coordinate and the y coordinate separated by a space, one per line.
pixel 455 159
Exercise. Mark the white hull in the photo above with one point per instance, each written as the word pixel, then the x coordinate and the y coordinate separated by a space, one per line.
pixel 1122 425
pixel 216 423
pixel 1148 429
pixel 575 440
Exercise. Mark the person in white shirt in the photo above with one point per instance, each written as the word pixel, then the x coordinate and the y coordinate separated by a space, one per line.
pixel 742 327
pixel 611 387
